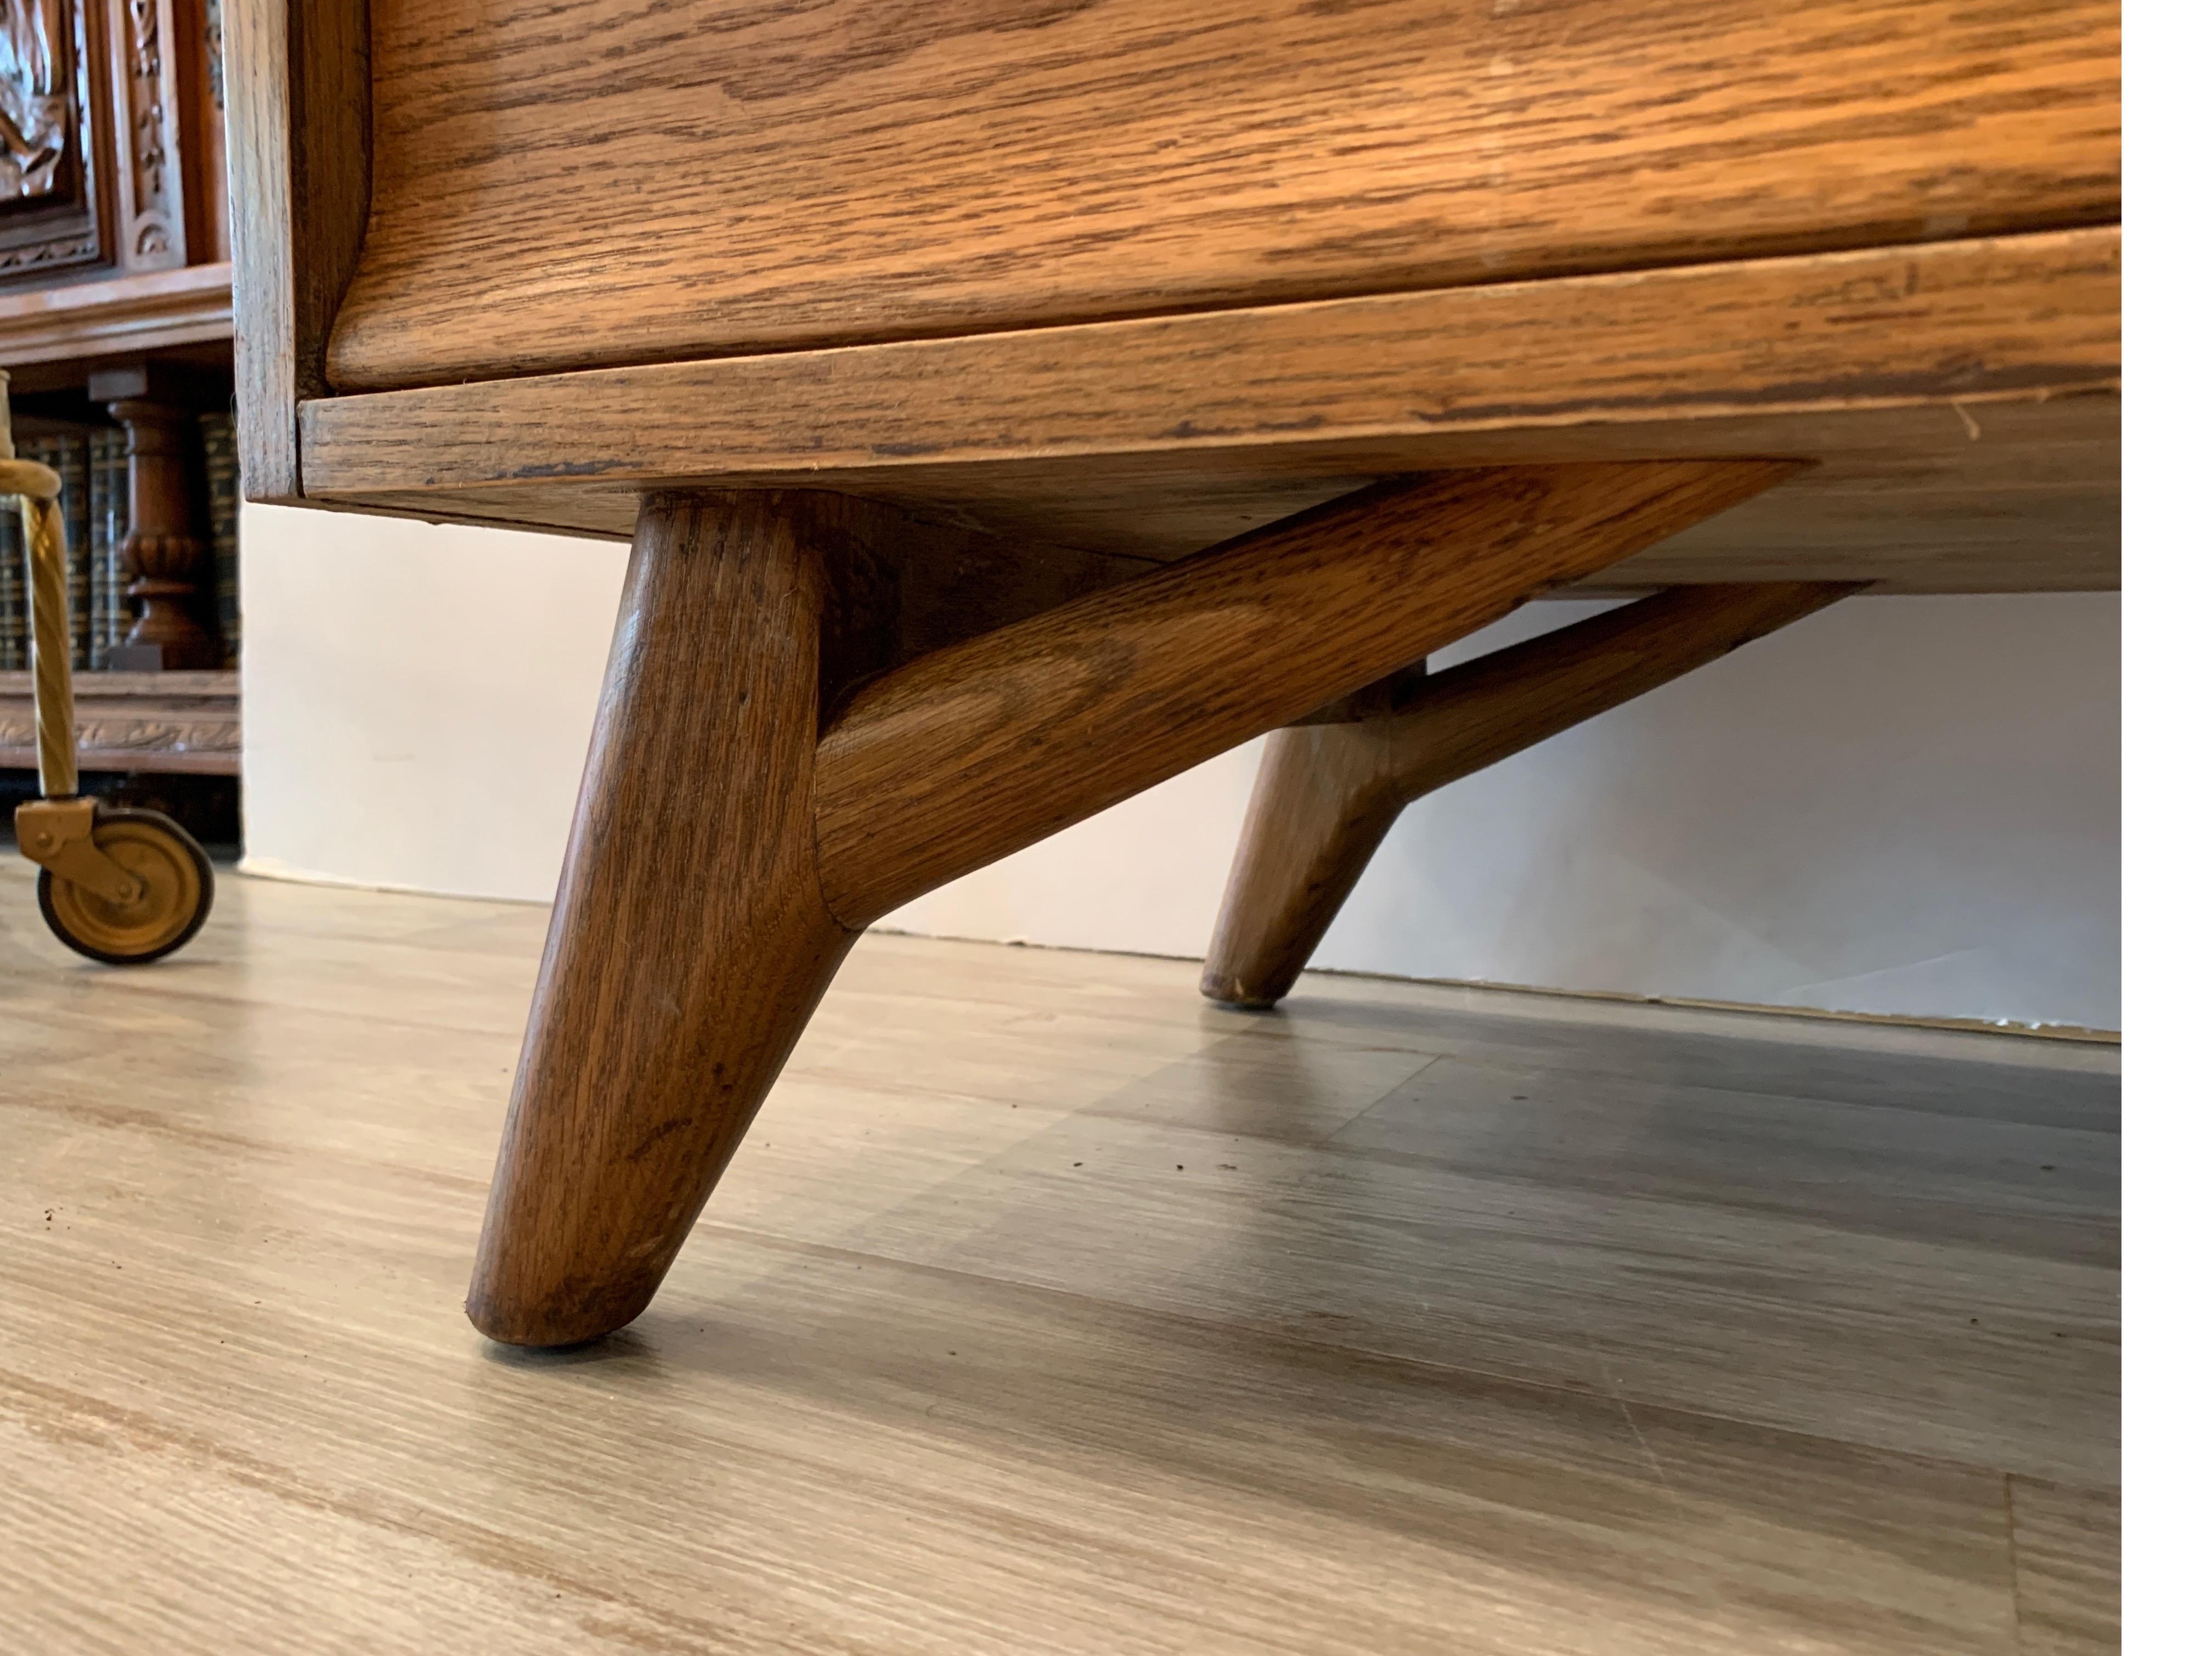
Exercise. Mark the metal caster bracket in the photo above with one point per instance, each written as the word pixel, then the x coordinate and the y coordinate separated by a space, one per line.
pixel 56 835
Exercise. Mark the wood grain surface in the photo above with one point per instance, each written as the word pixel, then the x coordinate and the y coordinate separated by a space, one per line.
pixel 1921 378
pixel 2066 1568
pixel 726 845
pixel 136 721
pixel 690 939
pixel 155 310
pixel 1472 1322
pixel 1329 789
pixel 1454 723
pixel 559 186
pixel 2034 313
pixel 1321 807
pixel 296 96
pixel 966 755
pixel 2018 495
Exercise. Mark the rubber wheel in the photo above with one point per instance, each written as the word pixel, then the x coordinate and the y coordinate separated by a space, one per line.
pixel 179 888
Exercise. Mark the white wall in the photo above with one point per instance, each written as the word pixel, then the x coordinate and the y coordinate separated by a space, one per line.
pixel 1899 805
pixel 417 700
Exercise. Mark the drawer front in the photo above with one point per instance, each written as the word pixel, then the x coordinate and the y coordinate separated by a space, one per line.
pixel 595 182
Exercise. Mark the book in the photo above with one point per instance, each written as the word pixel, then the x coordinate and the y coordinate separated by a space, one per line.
pixel 93 463
pixel 14 606
pixel 108 499
pixel 218 446
pixel 69 463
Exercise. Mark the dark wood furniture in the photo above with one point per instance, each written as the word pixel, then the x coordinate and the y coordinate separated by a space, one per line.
pixel 1014 404
pixel 170 723
pixel 115 290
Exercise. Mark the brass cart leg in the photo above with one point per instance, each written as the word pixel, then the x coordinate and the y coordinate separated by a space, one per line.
pixel 122 887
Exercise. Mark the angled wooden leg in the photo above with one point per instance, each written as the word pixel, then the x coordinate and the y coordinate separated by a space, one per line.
pixel 689 943
pixel 783 754
pixel 1327 794
pixel 1321 806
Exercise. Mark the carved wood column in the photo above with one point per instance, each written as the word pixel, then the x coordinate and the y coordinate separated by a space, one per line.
pixel 162 556
pixel 161 100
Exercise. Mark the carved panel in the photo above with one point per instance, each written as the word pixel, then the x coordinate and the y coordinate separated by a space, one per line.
pixel 111 137
pixel 168 721
pixel 52 219
pixel 149 180
pixel 34 106
pixel 200 123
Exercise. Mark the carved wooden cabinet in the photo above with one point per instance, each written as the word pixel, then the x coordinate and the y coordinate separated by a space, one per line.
pixel 115 274
pixel 112 125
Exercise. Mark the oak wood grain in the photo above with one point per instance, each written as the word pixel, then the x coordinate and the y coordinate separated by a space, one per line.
pixel 1456 721
pixel 1918 375
pixel 735 178
pixel 1880 327
pixel 1328 793
pixel 690 939
pixel 963 756
pixel 1321 806
pixel 296 92
pixel 1158 438
pixel 2013 495
pixel 704 907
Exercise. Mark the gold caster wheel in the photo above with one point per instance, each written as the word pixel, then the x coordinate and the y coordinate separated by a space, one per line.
pixel 178 885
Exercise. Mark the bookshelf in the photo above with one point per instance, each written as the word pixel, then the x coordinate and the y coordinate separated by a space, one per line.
pixel 115 328
pixel 48 334
pixel 149 498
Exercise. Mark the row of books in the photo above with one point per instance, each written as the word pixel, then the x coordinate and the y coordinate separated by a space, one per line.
pixel 95 476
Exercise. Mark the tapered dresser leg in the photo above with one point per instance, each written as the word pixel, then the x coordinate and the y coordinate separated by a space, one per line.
pixel 1323 802
pixel 689 943
pixel 1328 794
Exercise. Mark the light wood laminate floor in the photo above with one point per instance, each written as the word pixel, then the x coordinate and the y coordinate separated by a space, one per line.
pixel 1050 1309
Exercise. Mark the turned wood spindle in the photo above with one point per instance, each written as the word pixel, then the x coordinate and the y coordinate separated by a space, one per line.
pixel 162 556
